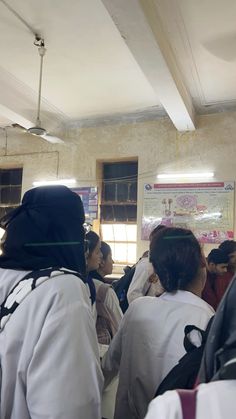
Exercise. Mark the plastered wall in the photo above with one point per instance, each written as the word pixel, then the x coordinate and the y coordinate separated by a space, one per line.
pixel 156 144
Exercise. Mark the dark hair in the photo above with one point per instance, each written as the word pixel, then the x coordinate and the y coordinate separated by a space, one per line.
pixel 217 256
pixel 155 230
pixel 91 239
pixel 176 257
pixel 105 249
pixel 228 246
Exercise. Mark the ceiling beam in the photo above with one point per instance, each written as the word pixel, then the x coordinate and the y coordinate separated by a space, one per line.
pixel 141 27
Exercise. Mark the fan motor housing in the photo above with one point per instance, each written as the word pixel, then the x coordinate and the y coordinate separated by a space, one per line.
pixel 37 131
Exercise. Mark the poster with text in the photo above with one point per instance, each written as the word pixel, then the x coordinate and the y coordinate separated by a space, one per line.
pixel 89 197
pixel 205 208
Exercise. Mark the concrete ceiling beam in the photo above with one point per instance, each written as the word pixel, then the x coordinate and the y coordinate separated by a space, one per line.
pixel 141 28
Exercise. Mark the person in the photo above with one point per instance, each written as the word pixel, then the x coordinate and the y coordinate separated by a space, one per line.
pixel 229 247
pixel 222 282
pixel 217 264
pixel 217 377
pixel 145 281
pixel 149 342
pixel 109 314
pixel 93 256
pixel 49 354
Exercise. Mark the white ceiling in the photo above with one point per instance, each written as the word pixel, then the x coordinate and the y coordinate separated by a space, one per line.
pixel 115 58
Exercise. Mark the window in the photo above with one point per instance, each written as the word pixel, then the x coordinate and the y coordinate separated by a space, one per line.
pixel 10 189
pixel 119 192
pixel 119 209
pixel 122 239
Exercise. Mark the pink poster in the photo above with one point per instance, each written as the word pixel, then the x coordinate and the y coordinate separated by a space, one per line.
pixel 205 208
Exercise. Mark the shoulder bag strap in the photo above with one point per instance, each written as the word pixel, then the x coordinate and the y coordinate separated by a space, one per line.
pixel 24 287
pixel 188 399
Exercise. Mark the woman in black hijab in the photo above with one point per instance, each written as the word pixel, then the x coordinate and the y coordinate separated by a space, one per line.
pixel 45 230
pixel 49 355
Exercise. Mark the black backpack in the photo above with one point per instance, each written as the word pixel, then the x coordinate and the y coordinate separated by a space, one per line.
pixel 122 285
pixel 184 374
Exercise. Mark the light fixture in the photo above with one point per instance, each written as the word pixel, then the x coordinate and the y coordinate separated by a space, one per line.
pixel 65 182
pixel 201 175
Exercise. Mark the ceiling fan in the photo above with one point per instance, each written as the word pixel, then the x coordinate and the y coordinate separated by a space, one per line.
pixel 38 130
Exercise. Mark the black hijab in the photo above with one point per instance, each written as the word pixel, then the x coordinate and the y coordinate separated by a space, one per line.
pixel 45 230
pixel 221 342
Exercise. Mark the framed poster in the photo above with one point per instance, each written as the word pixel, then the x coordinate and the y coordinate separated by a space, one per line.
pixel 89 197
pixel 205 208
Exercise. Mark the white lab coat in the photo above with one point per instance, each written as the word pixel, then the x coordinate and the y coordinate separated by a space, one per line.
pixel 139 284
pixel 49 353
pixel 148 345
pixel 215 400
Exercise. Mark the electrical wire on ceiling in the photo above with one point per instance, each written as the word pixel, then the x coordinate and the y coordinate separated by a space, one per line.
pixel 16 14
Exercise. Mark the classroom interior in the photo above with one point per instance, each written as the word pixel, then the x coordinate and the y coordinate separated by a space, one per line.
pixel 144 86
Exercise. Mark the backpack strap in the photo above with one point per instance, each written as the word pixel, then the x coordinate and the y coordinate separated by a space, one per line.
pixel 188 345
pixel 105 311
pixel 102 292
pixel 188 399
pixel 24 287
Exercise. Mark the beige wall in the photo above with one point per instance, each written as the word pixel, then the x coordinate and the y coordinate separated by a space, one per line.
pixel 156 144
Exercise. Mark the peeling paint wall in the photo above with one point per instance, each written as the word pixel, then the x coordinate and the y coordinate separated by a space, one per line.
pixel 156 144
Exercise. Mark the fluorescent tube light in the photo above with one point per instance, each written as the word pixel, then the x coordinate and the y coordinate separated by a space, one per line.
pixel 185 175
pixel 66 182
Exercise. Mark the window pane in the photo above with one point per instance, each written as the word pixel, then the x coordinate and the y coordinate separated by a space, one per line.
pixel 133 191
pixel 120 232
pixel 120 169
pixel 107 232
pixel 131 247
pixel 131 232
pixel 15 194
pixel 131 212
pixel 120 213
pixel 109 191
pixel 107 213
pixel 10 186
pixel 5 195
pixel 122 192
pixel 120 252
pixel 120 238
pixel 16 177
pixel 112 246
pixel 124 253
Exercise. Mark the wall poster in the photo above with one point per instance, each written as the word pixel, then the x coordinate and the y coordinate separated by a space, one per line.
pixel 206 208
pixel 89 197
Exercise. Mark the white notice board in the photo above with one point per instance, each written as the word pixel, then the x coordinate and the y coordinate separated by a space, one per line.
pixel 206 208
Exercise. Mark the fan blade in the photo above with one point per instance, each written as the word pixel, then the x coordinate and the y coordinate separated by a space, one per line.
pixel 52 139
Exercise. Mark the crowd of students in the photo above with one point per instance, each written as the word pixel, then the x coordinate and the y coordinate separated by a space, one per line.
pixel 66 349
